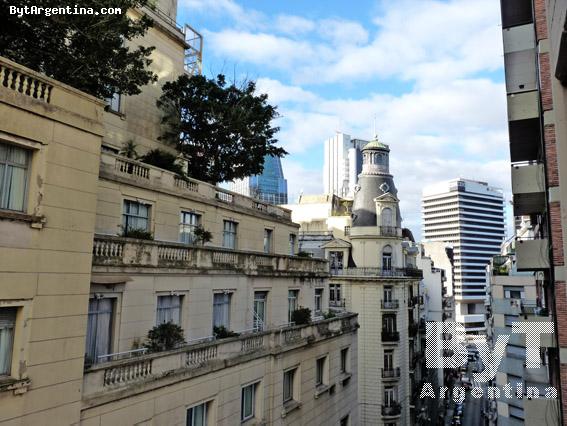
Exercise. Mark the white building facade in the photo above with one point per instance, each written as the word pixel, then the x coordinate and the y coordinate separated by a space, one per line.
pixel 469 215
pixel 342 164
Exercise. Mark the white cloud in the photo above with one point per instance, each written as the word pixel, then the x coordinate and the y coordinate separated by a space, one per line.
pixel 293 25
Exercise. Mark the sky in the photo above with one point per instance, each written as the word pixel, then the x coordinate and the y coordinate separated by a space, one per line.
pixel 430 73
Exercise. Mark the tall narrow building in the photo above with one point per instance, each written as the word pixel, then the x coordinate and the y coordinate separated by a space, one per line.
pixel 469 215
pixel 269 186
pixel 342 164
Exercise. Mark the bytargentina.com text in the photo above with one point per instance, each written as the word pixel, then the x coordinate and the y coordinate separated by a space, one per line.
pixel 64 10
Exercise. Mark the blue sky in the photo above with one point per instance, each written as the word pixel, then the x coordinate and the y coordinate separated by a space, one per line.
pixel 430 71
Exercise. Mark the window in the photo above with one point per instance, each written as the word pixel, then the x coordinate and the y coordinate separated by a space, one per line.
pixel 389 396
pixel 14 163
pixel 389 360
pixel 387 217
pixel 320 366
pixel 292 297
pixel 259 319
pixel 336 260
pixel 189 221
pixel 136 216
pixel 292 239
pixel 248 402
pixel 389 323
pixel 514 292
pixel 318 299
pixel 229 234
pixel 388 291
pixel 7 325
pixel 221 310
pixel 344 360
pixel 345 421
pixel 99 328
pixel 268 240
pixel 288 382
pixel 387 258
pixel 168 309
pixel 114 103
pixel 335 295
pixel 197 415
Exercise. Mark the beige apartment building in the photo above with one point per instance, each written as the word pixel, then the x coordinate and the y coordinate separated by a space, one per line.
pixel 374 272
pixel 77 297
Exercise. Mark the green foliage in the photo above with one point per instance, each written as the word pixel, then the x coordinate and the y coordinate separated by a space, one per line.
pixel 164 337
pixel 329 315
pixel 140 234
pixel 129 150
pixel 301 316
pixel 223 131
pixel 202 235
pixel 92 53
pixel 221 332
pixel 163 160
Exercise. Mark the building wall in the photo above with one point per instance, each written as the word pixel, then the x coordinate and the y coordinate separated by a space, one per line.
pixel 45 251
pixel 168 405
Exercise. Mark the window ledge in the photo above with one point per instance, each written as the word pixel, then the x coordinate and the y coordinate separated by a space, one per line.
pixel 253 422
pixel 290 406
pixel 35 221
pixel 344 378
pixel 321 389
pixel 117 113
pixel 18 386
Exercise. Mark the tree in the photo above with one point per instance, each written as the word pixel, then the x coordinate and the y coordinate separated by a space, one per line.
pixel 223 131
pixel 85 51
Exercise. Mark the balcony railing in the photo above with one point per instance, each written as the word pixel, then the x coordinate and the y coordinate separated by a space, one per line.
pixel 337 303
pixel 391 373
pixel 391 410
pixel 390 304
pixel 141 174
pixel 388 231
pixel 114 378
pixel 119 251
pixel 390 336
pixel 379 272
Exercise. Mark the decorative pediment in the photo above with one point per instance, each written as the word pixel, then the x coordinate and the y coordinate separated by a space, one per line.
pixel 387 197
pixel 336 244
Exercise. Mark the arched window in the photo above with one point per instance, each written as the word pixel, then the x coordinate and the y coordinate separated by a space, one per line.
pixel 387 258
pixel 387 217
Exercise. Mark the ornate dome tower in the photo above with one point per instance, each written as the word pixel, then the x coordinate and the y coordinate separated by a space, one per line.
pixel 375 199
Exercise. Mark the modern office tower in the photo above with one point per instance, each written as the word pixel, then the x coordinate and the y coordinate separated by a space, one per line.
pixel 342 164
pixel 515 297
pixel 535 60
pixel 270 186
pixel 470 216
pixel 97 249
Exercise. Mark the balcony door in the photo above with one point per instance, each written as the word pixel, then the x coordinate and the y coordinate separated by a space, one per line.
pixel 388 360
pixel 259 320
pixel 99 329
pixel 388 292
pixel 389 396
pixel 387 258
pixel 389 323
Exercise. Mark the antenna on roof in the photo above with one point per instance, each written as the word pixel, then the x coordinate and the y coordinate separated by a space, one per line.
pixel 375 133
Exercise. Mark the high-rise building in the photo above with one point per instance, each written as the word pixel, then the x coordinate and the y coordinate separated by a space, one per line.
pixel 535 60
pixel 342 164
pixel 469 215
pixel 269 186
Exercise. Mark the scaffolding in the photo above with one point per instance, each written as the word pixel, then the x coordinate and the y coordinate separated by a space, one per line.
pixel 194 51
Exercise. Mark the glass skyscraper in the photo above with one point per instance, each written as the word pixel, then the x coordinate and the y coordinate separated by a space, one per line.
pixel 270 186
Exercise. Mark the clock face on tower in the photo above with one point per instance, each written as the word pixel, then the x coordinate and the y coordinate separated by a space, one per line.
pixel 385 187
pixel 356 188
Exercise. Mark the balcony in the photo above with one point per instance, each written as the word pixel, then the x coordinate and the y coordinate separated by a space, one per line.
pixel 389 231
pixel 111 252
pixel 379 272
pixel 391 373
pixel 532 254
pixel 391 410
pixel 121 169
pixel 390 336
pixel 114 380
pixel 528 187
pixel 389 305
